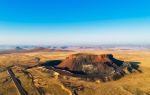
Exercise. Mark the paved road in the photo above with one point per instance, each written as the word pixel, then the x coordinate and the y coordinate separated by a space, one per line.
pixel 16 81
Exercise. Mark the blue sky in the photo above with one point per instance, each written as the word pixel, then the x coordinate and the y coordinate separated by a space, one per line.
pixel 74 22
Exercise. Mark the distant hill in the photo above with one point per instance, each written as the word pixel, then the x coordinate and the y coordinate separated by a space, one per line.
pixel 38 49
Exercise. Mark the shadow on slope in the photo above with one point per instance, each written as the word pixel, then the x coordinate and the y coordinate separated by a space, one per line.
pixel 134 66
pixel 52 63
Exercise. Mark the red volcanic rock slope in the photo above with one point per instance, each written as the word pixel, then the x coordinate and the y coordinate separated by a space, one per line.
pixel 91 64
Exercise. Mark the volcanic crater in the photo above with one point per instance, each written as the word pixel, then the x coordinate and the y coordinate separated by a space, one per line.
pixel 98 66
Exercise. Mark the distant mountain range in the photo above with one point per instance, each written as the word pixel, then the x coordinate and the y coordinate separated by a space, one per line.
pixel 69 47
pixel 37 49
